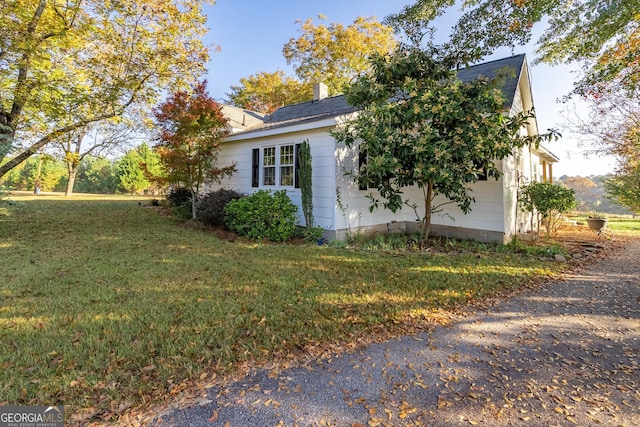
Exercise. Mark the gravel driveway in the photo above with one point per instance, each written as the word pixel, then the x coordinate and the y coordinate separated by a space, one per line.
pixel 565 354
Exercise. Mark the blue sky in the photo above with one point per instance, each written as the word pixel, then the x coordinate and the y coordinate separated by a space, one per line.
pixel 251 34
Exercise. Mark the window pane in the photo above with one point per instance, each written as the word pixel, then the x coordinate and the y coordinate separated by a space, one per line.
pixel 269 175
pixel 269 158
pixel 286 155
pixel 286 175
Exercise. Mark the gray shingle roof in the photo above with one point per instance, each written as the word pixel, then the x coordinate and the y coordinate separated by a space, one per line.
pixel 490 69
pixel 335 106
pixel 309 111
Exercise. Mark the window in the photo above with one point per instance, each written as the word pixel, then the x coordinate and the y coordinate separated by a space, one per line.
pixel 269 166
pixel 278 166
pixel 286 165
pixel 362 161
pixel 482 173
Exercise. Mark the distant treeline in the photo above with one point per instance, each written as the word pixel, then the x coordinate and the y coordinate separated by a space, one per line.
pixel 591 195
pixel 95 174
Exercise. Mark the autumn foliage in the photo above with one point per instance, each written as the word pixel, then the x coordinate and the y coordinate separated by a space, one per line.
pixel 190 127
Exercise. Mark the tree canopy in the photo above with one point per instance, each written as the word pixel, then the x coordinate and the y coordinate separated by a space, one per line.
pixel 624 188
pixel 606 34
pixel 334 54
pixel 190 127
pixel 64 65
pixel 132 170
pixel 422 126
pixel 265 92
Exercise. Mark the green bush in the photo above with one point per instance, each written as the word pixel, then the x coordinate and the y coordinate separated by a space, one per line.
pixel 183 211
pixel 262 215
pixel 312 234
pixel 180 202
pixel 179 196
pixel 549 201
pixel 211 206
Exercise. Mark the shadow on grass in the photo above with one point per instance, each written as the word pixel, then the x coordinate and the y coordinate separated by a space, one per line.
pixel 106 301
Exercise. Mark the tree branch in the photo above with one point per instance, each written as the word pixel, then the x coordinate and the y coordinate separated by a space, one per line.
pixel 25 154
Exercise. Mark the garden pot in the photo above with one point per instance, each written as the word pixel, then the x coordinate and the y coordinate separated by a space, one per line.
pixel 597 224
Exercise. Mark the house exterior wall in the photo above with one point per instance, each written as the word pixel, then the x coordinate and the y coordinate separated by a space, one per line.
pixel 341 208
pixel 484 222
pixel 322 147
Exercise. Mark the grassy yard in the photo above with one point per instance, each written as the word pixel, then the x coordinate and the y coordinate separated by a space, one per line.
pixel 105 304
pixel 620 224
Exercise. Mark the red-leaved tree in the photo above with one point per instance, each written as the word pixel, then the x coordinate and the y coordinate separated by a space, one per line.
pixel 190 127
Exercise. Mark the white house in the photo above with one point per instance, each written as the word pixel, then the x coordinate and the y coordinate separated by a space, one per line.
pixel 265 155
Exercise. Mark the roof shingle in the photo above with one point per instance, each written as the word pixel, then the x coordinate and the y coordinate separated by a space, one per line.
pixel 335 106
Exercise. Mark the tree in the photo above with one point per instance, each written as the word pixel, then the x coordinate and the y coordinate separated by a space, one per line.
pixel 305 173
pixel 96 175
pixel 135 168
pixel 624 189
pixel 42 171
pixel 64 65
pixel 548 201
pixel 190 127
pixel 265 92
pixel 420 125
pixel 101 139
pixel 606 34
pixel 612 126
pixel 130 174
pixel 336 53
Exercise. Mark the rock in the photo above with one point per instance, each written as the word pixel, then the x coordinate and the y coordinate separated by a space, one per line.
pixel 577 255
pixel 559 258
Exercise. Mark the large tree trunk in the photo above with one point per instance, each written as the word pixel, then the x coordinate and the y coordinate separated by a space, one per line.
pixel 71 178
pixel 73 160
pixel 9 119
pixel 6 136
pixel 194 202
pixel 428 203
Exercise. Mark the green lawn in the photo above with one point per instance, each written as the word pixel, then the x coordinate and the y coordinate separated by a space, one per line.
pixel 105 304
pixel 621 224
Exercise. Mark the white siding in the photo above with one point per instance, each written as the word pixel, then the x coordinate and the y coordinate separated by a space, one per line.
pixel 339 206
pixel 323 176
pixel 486 213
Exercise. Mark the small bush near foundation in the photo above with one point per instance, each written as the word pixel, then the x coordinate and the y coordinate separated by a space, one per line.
pixel 211 206
pixel 179 196
pixel 262 215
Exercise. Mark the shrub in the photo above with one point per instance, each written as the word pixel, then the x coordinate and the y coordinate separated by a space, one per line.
pixel 262 215
pixel 183 212
pixel 549 201
pixel 311 234
pixel 211 206
pixel 179 196
pixel 180 202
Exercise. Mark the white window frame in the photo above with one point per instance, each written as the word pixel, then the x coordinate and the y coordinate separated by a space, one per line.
pixel 265 164
pixel 278 165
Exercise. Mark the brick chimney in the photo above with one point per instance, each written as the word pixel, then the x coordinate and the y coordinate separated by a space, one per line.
pixel 320 91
